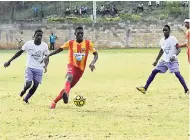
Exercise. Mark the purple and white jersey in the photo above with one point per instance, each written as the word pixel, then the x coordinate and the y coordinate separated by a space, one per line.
pixel 169 47
pixel 35 54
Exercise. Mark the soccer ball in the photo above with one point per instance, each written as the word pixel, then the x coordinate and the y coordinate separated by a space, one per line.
pixel 79 101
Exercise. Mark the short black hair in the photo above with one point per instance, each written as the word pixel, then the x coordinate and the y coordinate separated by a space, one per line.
pixel 38 31
pixel 79 28
pixel 167 26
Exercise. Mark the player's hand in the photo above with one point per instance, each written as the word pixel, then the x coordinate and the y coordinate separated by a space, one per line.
pixel 46 58
pixel 7 64
pixel 45 69
pixel 155 63
pixel 92 67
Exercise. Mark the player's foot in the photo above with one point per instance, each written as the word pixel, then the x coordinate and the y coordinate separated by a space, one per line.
pixel 26 101
pixel 65 97
pixel 53 105
pixel 141 89
pixel 187 91
pixel 21 94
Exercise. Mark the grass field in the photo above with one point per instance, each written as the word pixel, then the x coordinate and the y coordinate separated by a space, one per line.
pixel 114 110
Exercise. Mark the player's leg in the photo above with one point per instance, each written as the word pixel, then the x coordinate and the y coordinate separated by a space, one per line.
pixel 69 77
pixel 50 46
pixel 174 68
pixel 160 68
pixel 53 46
pixel 64 92
pixel 77 74
pixel 31 91
pixel 28 80
pixel 67 88
pixel 57 99
pixel 37 78
pixel 26 87
pixel 182 81
pixel 149 81
pixel 73 76
pixel 61 95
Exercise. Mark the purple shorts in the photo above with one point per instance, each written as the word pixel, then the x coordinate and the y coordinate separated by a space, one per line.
pixel 33 74
pixel 164 66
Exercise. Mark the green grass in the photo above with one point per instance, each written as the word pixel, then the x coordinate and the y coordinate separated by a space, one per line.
pixel 114 110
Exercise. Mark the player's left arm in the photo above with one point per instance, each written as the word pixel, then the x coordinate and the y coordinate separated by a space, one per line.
pixel 92 64
pixel 95 53
pixel 174 57
pixel 178 49
pixel 46 61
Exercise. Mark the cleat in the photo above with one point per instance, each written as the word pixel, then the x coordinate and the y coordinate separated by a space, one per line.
pixel 53 105
pixel 141 89
pixel 65 98
pixel 187 91
pixel 21 94
pixel 26 101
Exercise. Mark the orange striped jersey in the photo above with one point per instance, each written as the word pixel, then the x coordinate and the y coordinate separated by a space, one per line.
pixel 188 37
pixel 78 52
pixel 188 43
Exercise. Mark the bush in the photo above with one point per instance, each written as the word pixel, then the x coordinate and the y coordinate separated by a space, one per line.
pixel 108 20
pixel 130 17
pixel 87 20
pixel 162 16
pixel 71 20
pixel 170 4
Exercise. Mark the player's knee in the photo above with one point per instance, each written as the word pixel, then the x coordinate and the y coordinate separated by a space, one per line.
pixel 36 83
pixel 69 77
pixel 28 84
pixel 177 73
pixel 155 71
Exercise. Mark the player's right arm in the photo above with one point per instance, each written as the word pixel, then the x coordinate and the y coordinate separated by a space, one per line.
pixel 14 57
pixel 187 44
pixel 58 50
pixel 24 47
pixel 158 57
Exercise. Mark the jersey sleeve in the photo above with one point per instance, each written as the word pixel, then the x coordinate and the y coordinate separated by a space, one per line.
pixel 91 47
pixel 25 46
pixel 66 45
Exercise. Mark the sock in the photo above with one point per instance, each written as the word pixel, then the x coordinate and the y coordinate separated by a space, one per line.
pixel 59 97
pixel 151 78
pixel 182 81
pixel 67 87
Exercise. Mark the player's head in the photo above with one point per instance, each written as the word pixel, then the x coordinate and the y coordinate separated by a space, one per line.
pixel 38 35
pixel 166 30
pixel 187 22
pixel 79 33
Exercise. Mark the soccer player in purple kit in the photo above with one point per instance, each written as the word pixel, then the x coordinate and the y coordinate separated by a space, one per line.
pixel 36 51
pixel 169 50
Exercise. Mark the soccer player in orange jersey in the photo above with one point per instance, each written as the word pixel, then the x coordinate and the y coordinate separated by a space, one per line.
pixel 78 53
pixel 187 43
